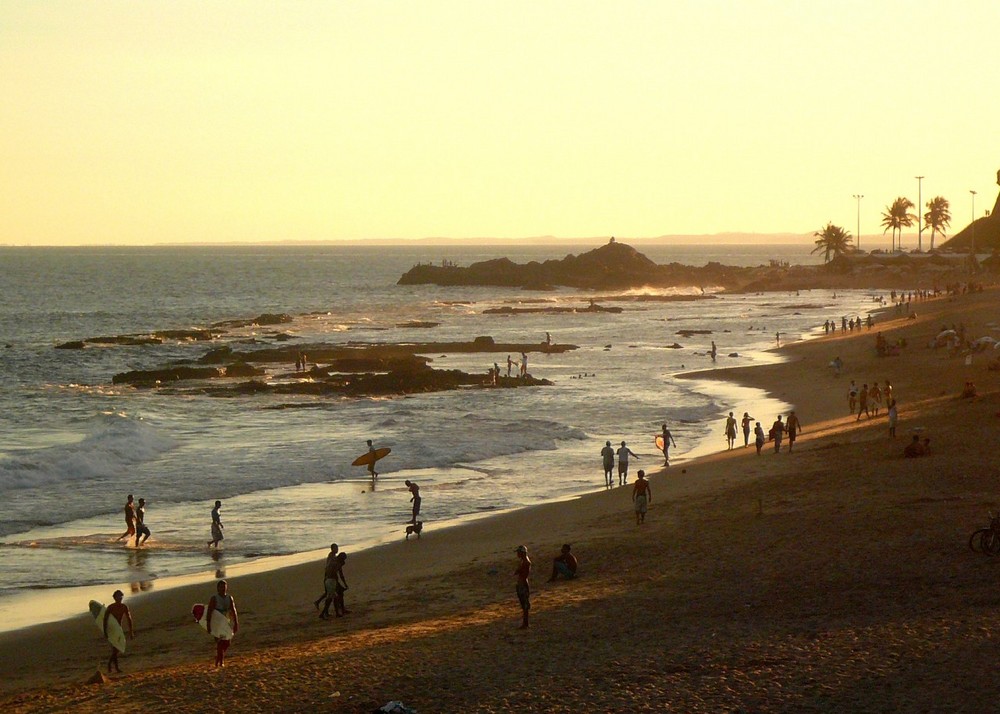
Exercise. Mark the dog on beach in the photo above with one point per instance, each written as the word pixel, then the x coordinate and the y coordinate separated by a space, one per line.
pixel 414 529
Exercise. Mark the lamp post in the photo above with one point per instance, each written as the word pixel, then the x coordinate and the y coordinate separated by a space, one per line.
pixel 858 197
pixel 920 208
pixel 972 243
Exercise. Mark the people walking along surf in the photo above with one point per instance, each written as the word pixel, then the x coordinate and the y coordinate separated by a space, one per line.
pixel 141 530
pixel 623 453
pixel 129 520
pixel 336 586
pixel 668 439
pixel 608 457
pixel 216 526
pixel 328 572
pixel 731 430
pixel 641 496
pixel 523 589
pixel 414 490
pixel 120 612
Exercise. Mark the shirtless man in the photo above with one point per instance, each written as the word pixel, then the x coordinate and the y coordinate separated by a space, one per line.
pixel 415 499
pixel 793 426
pixel 668 439
pixel 371 464
pixel 522 588
pixel 608 457
pixel 328 572
pixel 641 496
pixel 141 531
pixel 564 564
pixel 623 453
pixel 731 430
pixel 216 526
pixel 120 612
pixel 129 520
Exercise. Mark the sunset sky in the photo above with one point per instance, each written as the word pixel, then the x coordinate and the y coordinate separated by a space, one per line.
pixel 177 121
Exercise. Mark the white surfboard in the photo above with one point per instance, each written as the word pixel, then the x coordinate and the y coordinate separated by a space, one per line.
pixel 116 635
pixel 221 626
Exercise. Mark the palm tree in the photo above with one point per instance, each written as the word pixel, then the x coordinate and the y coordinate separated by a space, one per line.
pixel 832 239
pixel 898 216
pixel 938 216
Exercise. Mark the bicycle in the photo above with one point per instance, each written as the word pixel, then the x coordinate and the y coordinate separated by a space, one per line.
pixel 987 540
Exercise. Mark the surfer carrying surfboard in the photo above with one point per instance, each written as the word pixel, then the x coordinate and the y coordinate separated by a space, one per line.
pixel 222 604
pixel 371 464
pixel 118 610
pixel 667 439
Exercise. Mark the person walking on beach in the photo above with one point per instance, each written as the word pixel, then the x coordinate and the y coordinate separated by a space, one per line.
pixel 668 439
pixel 141 531
pixel 641 496
pixel 623 453
pixel 522 588
pixel 777 430
pixel 893 418
pixel 222 604
pixel 414 490
pixel 339 588
pixel 118 610
pixel 758 433
pixel 608 457
pixel 731 430
pixel 746 423
pixel 328 571
pixel 564 564
pixel 216 526
pixel 129 520
pixel 793 427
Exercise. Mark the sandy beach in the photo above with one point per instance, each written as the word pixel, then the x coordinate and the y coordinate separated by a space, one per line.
pixel 835 578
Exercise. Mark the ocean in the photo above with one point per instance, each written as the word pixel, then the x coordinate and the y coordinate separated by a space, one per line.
pixel 74 444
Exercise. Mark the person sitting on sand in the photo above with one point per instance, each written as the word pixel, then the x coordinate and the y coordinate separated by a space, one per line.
pixel 120 612
pixel 564 564
pixel 222 604
pixel 968 391
pixel 523 589
pixel 641 496
pixel 915 448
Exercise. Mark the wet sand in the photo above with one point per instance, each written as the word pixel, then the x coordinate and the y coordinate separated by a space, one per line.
pixel 835 578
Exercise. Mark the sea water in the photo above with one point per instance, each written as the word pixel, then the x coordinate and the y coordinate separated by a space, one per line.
pixel 74 444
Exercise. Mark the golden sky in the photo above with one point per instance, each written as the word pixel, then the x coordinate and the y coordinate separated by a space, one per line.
pixel 193 121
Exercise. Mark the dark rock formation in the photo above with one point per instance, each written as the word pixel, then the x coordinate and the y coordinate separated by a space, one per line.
pixel 593 308
pixel 73 345
pixel 152 377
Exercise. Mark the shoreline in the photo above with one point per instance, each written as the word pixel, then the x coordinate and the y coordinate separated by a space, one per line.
pixel 463 569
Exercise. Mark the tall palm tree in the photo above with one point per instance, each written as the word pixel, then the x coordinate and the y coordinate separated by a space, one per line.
pixel 832 239
pixel 897 217
pixel 938 216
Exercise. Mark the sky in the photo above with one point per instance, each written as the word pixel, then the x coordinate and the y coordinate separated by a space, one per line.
pixel 125 122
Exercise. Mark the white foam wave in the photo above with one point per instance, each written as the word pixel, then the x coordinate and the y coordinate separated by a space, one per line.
pixel 112 444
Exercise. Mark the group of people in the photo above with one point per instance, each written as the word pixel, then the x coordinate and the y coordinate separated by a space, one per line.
pixel 855 323
pixel 608 455
pixel 564 564
pixel 868 402
pixel 135 522
pixel 792 428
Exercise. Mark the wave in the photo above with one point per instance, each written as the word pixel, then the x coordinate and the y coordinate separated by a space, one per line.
pixel 114 442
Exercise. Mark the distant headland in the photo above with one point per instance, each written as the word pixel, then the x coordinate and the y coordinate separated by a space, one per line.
pixel 618 266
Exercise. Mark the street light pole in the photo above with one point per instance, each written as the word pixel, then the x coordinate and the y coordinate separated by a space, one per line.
pixel 920 209
pixel 858 197
pixel 972 243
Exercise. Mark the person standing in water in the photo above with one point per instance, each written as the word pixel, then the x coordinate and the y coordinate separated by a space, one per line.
pixel 216 526
pixel 222 604
pixel 129 520
pixel 668 439
pixel 608 457
pixel 623 453
pixel 714 351
pixel 141 531
pixel 641 496
pixel 120 612
pixel 414 490
pixel 371 464
pixel 523 589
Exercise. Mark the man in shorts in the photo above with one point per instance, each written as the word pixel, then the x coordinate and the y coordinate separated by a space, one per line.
pixel 129 520
pixel 623 453
pixel 120 612
pixel 141 531
pixel 608 457
pixel 641 496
